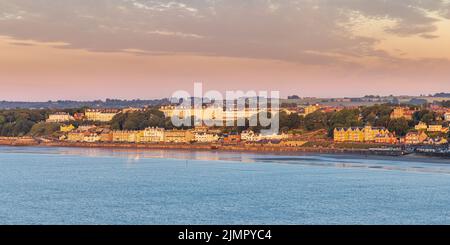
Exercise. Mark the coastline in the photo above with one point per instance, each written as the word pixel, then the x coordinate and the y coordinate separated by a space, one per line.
pixel 250 148
pixel 257 148
pixel 242 148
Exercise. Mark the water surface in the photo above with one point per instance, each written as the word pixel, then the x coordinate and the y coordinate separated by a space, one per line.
pixel 105 186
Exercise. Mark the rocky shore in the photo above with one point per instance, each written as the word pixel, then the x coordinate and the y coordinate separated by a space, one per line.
pixel 18 141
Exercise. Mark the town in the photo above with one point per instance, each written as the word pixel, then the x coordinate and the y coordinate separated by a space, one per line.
pixel 419 128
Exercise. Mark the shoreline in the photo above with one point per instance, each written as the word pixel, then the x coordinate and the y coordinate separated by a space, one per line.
pixel 250 148
pixel 256 148
pixel 243 148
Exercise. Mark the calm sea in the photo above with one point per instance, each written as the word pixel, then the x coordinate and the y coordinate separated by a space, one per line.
pixel 103 186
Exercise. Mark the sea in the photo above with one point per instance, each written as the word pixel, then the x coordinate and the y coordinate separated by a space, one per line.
pixel 70 186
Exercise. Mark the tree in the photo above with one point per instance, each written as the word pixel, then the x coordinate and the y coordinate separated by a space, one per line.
pixel 446 103
pixel 44 129
pixel 345 118
pixel 316 120
pixel 425 116
pixel 290 121
pixel 18 122
pixel 138 120
pixel 399 126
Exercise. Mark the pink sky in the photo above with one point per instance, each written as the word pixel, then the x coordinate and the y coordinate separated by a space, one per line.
pixel 50 52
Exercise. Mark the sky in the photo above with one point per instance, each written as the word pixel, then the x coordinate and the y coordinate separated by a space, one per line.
pixel 127 49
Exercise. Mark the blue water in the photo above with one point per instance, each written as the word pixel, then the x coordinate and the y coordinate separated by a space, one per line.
pixel 100 186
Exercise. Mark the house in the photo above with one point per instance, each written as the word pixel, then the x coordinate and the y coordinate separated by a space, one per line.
pixel 106 136
pixel 437 129
pixel 59 117
pixel 66 128
pixel 91 138
pixel 124 136
pixel 386 139
pixel 178 136
pixel 78 116
pixel 231 138
pixel 76 136
pixel 414 138
pixel 402 112
pixel 311 109
pixel 153 134
pixel 100 115
pixel 249 135
pixel 273 136
pixel 421 126
pixel 206 137
pixel 359 134
pixel 436 141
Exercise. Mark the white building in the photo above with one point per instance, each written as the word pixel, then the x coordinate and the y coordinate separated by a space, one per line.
pixel 59 117
pixel 249 135
pixel 211 112
pixel 206 138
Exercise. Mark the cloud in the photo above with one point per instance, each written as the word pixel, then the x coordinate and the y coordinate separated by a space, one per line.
pixel 309 32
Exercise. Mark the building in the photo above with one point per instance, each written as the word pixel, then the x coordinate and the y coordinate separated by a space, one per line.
pixel 153 135
pixel 76 136
pixel 100 115
pixel 421 126
pixel 206 137
pixel 66 128
pixel 91 138
pixel 78 116
pixel 437 129
pixel 200 129
pixel 124 136
pixel 311 109
pixel 437 108
pixel 212 113
pixel 232 138
pixel 436 141
pixel 179 136
pixel 386 139
pixel 447 116
pixel 250 136
pixel 131 109
pixel 106 137
pixel 359 134
pixel 59 117
pixel 273 136
pixel 414 138
pixel 402 112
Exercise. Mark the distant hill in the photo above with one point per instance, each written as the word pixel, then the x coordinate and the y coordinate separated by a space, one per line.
pixel 67 104
pixel 442 95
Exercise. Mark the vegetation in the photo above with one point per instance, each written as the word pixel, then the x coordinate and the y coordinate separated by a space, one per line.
pixel 19 122
pixel 446 103
pixel 425 116
pixel 45 129
pixel 139 120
